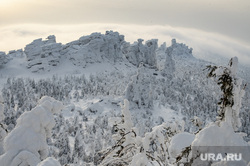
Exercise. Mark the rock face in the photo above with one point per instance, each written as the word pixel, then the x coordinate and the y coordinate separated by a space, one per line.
pixel 3 58
pixel 110 47
pixel 179 50
pixel 42 55
pixel 166 56
pixel 161 57
pixel 16 53
pixel 94 48
pixel 138 52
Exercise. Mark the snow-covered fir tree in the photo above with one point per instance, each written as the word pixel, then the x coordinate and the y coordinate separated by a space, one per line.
pixel 232 92
pixel 228 120
pixel 26 143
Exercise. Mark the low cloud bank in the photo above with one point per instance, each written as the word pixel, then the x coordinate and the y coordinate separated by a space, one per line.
pixel 206 45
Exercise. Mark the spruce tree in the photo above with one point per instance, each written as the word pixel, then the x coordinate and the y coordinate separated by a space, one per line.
pixel 232 91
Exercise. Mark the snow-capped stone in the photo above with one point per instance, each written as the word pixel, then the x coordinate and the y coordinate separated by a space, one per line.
pixel 161 56
pixel 16 53
pixel 94 48
pixel 41 55
pixel 138 52
pixel 179 50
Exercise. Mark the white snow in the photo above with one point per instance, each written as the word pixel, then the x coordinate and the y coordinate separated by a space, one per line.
pixel 98 54
pixel 26 143
pixel 179 142
pixel 214 135
pixel 231 163
pixel 49 162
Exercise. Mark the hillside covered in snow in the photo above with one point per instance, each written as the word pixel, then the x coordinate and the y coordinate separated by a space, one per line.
pixel 100 100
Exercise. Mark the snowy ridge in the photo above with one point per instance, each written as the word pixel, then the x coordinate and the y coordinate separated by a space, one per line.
pixel 44 55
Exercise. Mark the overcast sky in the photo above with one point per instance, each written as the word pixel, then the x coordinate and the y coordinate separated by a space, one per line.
pixel 224 22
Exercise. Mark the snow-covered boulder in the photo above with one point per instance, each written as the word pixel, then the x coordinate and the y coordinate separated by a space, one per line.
pixel 41 55
pixel 26 143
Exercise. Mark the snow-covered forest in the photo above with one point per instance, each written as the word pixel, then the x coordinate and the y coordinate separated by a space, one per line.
pixel 100 100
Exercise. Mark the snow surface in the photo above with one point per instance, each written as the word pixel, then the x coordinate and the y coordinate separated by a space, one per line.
pixel 214 135
pixel 95 54
pixel 221 136
pixel 49 162
pixel 179 142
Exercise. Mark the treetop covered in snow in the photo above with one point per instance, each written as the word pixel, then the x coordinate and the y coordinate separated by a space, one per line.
pixel 26 144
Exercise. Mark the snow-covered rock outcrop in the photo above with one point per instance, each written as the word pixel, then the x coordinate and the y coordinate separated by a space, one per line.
pixel 179 50
pixel 16 53
pixel 164 61
pixel 139 52
pixel 97 48
pixel 41 55
pixel 161 56
pixel 94 48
